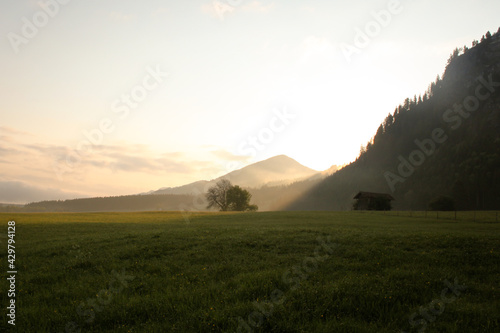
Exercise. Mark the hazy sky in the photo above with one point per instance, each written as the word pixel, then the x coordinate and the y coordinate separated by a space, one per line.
pixel 108 97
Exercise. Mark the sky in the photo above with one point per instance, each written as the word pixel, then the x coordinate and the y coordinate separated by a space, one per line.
pixel 115 97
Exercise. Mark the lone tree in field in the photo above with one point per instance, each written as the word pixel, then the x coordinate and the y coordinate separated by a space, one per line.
pixel 226 197
pixel 239 199
pixel 217 195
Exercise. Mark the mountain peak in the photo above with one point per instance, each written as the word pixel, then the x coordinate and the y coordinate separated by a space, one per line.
pixel 285 160
pixel 277 170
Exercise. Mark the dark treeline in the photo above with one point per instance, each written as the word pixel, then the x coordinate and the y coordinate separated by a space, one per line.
pixel 460 114
pixel 126 203
pixel 267 198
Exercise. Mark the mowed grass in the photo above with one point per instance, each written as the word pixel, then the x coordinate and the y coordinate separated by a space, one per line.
pixel 158 272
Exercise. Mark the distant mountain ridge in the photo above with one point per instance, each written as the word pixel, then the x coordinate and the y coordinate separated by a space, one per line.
pixel 275 171
pixel 268 181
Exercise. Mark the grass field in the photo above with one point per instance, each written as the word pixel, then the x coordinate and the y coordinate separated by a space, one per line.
pixel 258 272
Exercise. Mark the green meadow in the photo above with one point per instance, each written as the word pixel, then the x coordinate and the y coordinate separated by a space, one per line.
pixel 252 272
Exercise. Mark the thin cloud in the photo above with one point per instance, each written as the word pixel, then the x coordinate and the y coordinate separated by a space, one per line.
pixel 138 159
pixel 12 131
pixel 149 164
pixel 40 165
pixel 228 156
pixel 7 134
pixel 8 151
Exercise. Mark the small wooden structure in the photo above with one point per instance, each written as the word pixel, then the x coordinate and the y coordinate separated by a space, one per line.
pixel 372 201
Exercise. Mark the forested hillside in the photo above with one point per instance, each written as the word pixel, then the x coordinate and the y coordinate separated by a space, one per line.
pixel 445 142
pixel 127 203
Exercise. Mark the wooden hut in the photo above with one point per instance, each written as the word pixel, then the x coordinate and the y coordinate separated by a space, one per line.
pixel 372 201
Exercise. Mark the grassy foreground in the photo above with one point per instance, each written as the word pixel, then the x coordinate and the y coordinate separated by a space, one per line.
pixel 259 272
